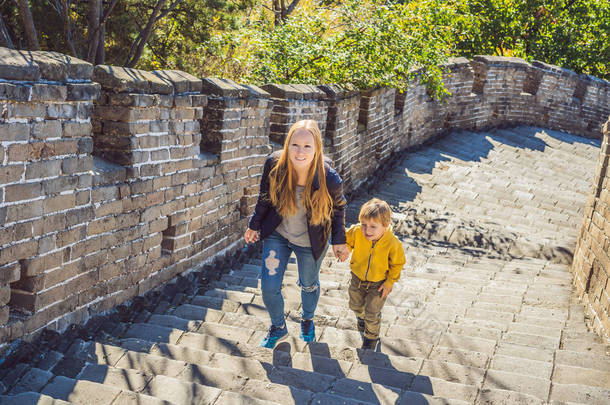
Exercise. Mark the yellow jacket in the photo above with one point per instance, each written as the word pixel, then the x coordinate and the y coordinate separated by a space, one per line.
pixel 375 261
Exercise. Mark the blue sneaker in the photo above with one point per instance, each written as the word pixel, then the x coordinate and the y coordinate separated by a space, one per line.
pixel 274 335
pixel 308 330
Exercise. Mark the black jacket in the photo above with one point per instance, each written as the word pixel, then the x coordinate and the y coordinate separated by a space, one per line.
pixel 265 218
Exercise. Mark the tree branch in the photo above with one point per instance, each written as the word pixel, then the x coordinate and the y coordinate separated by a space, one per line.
pixel 5 38
pixel 28 24
pixel 136 50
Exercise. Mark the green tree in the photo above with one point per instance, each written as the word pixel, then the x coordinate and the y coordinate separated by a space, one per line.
pixel 568 33
pixel 366 44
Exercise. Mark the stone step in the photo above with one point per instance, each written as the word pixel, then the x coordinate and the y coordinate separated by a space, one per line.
pixel 95 393
pixel 31 398
pixel 397 347
pixel 295 370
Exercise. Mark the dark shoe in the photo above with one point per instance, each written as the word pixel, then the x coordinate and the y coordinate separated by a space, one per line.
pixel 274 335
pixel 360 322
pixel 370 344
pixel 308 330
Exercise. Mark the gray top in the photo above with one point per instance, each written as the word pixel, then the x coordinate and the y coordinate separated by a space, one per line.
pixel 294 227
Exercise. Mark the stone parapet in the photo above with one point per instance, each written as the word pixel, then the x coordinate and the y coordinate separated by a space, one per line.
pixel 294 102
pixel 591 265
pixel 46 101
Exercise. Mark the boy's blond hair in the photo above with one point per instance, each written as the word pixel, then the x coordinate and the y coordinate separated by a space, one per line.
pixel 377 210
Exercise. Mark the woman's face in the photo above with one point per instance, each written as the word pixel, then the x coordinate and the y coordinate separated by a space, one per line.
pixel 301 150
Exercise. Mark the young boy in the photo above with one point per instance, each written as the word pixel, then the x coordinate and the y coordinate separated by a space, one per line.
pixel 377 259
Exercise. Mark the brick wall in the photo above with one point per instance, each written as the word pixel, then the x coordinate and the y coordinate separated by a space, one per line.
pixel 114 181
pixel 591 265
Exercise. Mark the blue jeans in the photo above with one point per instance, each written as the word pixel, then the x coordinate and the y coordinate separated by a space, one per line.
pixel 276 252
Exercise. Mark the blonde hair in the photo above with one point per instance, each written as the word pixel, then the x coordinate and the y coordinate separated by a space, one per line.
pixel 377 210
pixel 283 180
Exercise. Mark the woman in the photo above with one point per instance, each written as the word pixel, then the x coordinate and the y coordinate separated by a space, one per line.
pixel 300 206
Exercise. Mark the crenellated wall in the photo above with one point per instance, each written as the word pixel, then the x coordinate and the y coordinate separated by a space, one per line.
pixel 591 265
pixel 114 181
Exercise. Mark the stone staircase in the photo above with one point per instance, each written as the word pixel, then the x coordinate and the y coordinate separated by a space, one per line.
pixel 484 312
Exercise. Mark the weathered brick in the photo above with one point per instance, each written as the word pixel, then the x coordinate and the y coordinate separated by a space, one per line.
pixel 73 129
pixel 16 131
pixel 18 152
pixel 20 212
pixel 10 273
pixel 42 169
pixel 71 236
pixel 77 165
pixel 5 295
pixel 101 226
pixel 46 129
pixel 11 173
pixel 18 251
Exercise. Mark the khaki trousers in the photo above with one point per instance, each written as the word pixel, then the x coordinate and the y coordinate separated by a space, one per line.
pixel 366 302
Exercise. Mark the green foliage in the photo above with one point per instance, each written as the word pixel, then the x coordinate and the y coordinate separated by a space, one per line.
pixel 570 33
pixel 366 44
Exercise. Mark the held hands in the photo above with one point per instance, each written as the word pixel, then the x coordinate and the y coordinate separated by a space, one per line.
pixel 341 252
pixel 250 236
pixel 384 290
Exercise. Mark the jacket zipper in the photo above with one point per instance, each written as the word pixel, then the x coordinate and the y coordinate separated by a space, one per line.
pixel 368 265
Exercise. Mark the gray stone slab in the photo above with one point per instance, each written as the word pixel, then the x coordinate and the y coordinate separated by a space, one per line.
pixel 458 356
pixel 132 398
pixel 535 368
pixel 151 364
pixel 30 398
pixel 126 80
pixel 247 367
pixel 563 374
pixel 215 303
pixel 323 398
pixel 374 393
pixel 213 377
pixel 310 381
pixel 453 372
pixel 576 359
pixel 33 380
pixel 182 353
pixel 225 331
pixel 380 375
pixel 80 392
pixel 123 378
pixel 174 322
pixel 153 333
pixel 441 388
pixel 179 392
pixel 504 397
pixel 227 397
pixel 209 343
pixel 526 384
pixel 416 398
pixel 18 65
pixel 276 392
pixel 195 312
pixel 321 364
pixel 403 347
pixel 580 394
pixel 456 341
pixel 245 321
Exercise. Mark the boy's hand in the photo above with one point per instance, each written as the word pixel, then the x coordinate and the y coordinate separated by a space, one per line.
pixel 384 290
pixel 341 252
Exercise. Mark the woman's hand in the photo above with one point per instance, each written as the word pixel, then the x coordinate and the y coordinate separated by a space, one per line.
pixel 341 252
pixel 250 236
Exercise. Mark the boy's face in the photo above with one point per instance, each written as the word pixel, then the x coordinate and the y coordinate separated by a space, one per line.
pixel 372 229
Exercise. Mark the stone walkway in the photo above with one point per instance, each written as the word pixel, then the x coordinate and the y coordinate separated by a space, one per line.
pixel 484 312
